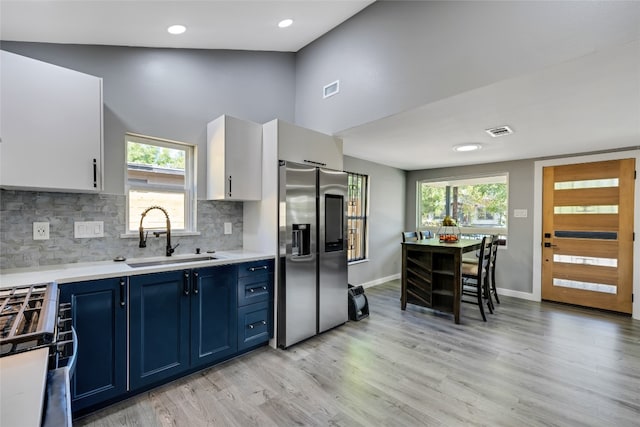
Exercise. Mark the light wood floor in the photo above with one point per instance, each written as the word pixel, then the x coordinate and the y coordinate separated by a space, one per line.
pixel 531 364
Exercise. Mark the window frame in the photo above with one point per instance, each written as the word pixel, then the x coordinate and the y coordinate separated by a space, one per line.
pixel 364 217
pixel 190 182
pixel 464 180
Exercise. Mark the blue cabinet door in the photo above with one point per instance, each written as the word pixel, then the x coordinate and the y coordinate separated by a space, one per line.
pixel 159 326
pixel 213 314
pixel 98 310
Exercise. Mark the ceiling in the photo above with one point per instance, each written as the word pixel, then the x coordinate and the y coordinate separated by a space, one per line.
pixel 211 24
pixel 589 104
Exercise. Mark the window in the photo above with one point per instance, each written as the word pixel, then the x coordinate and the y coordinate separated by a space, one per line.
pixel 357 217
pixel 479 206
pixel 160 173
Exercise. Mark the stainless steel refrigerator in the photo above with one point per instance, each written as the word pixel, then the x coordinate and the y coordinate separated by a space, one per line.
pixel 312 279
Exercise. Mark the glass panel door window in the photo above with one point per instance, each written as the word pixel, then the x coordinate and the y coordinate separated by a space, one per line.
pixel 160 173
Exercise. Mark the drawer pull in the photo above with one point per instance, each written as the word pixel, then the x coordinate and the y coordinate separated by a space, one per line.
pixel 264 288
pixel 252 290
pixel 262 267
pixel 252 325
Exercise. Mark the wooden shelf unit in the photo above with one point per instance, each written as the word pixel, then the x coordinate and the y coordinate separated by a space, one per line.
pixel 431 275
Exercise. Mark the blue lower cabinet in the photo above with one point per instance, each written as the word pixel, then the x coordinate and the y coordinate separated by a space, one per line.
pixel 159 326
pixel 253 325
pixel 99 316
pixel 213 314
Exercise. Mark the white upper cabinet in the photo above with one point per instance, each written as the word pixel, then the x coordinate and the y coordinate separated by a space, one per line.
pixel 234 159
pixel 50 125
pixel 301 145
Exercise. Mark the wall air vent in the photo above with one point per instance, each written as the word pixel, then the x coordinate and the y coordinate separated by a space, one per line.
pixel 331 89
pixel 499 131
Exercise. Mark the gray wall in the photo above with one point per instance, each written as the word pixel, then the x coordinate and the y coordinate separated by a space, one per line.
pixel 397 55
pixel 174 93
pixel 515 267
pixel 386 221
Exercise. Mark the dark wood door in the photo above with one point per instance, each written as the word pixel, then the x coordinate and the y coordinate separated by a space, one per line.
pixel 587 253
pixel 159 326
pixel 99 318
pixel 213 314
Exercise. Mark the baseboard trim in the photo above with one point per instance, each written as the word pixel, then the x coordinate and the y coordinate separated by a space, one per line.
pixel 517 294
pixel 380 281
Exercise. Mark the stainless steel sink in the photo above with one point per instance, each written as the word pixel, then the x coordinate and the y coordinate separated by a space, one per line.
pixel 137 264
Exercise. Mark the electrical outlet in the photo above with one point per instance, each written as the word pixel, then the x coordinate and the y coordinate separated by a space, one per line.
pixel 227 228
pixel 40 231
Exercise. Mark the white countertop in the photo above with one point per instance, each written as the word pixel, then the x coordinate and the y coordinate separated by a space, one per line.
pixel 77 272
pixel 23 377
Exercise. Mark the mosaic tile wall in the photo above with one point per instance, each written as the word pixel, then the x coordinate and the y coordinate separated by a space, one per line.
pixel 19 209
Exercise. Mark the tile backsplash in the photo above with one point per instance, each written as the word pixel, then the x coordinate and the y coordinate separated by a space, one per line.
pixel 20 209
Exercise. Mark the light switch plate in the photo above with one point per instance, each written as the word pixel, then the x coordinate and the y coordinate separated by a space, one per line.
pixel 88 229
pixel 519 213
pixel 227 228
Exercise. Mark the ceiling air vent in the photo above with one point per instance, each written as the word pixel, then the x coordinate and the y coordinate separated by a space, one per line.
pixel 499 131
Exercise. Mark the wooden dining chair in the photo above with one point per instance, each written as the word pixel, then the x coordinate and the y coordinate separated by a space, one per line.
pixel 474 283
pixel 409 236
pixel 495 242
pixel 426 234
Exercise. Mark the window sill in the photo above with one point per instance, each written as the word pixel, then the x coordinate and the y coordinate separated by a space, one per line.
pixel 360 261
pixel 173 234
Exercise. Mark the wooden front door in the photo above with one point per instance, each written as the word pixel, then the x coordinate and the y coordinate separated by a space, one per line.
pixel 587 241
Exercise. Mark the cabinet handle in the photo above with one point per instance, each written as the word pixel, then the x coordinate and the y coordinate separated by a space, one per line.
pixel 252 325
pixel 95 174
pixel 264 288
pixel 195 282
pixel 251 290
pixel 122 289
pixel 262 267
pixel 229 185
pixel 185 283
pixel 315 163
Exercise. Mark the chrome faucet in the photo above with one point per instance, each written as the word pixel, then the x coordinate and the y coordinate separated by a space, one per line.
pixel 143 236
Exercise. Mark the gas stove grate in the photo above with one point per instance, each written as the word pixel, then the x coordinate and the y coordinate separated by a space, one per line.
pixel 27 317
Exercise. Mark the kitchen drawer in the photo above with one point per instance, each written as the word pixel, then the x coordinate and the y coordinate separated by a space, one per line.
pixel 253 325
pixel 254 289
pixel 255 268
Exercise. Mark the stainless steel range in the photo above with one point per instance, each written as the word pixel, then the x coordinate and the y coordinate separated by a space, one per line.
pixel 31 319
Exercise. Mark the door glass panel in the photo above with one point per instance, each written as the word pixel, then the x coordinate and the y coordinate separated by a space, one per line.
pixel 586 286
pixel 586 260
pixel 606 235
pixel 601 209
pixel 590 183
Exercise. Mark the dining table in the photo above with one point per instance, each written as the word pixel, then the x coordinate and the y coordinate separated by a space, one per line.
pixel 432 273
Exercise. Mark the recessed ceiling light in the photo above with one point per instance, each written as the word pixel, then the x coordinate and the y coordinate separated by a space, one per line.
pixel 467 147
pixel 285 23
pixel 177 29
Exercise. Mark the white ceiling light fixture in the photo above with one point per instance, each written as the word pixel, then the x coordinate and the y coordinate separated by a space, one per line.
pixel 285 23
pixel 176 29
pixel 466 147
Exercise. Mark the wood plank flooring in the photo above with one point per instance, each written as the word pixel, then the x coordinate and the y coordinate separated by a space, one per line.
pixel 531 364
